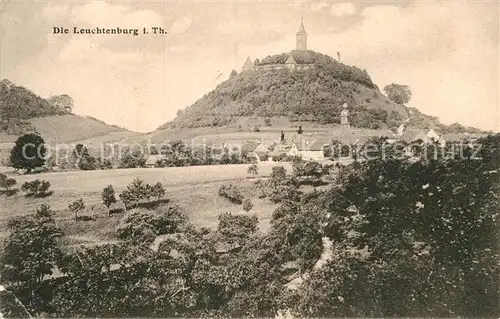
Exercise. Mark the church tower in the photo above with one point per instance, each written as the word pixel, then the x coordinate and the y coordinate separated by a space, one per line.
pixel 344 116
pixel 302 37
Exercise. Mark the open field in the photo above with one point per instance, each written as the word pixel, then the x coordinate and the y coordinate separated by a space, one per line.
pixel 193 188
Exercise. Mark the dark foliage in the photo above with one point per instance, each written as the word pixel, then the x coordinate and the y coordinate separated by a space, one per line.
pixel 232 193
pixel 36 188
pixel 28 152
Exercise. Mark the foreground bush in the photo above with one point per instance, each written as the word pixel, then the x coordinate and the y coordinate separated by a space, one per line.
pixel 139 194
pixel 145 225
pixel 232 193
pixel 247 205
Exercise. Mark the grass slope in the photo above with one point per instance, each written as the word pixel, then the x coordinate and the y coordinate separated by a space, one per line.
pixel 74 128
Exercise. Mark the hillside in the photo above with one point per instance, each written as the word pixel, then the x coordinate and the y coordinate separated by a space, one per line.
pixel 18 104
pixel 23 111
pixel 313 95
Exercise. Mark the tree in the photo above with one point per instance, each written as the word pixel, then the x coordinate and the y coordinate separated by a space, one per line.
pixel 77 207
pixel 132 159
pixel 233 73
pixel 247 205
pixel 400 94
pixel 232 193
pixel 158 191
pixel 278 174
pixel 108 196
pixel 29 254
pixel 435 253
pixel 43 211
pixel 139 191
pixel 9 183
pixel 236 229
pixel 253 170
pixel 28 152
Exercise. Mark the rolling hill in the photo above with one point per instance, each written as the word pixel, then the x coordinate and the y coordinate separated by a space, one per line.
pixel 313 95
pixel 23 111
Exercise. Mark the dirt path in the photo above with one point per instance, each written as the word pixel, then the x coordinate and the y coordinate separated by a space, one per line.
pixel 326 256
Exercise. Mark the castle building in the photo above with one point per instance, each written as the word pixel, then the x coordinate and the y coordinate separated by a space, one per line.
pixel 292 63
pixel 301 37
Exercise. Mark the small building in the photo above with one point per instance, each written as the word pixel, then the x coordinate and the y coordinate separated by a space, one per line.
pixel 307 149
pixel 432 136
pixel 152 160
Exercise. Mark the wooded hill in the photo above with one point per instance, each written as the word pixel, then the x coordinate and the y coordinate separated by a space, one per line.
pixel 314 95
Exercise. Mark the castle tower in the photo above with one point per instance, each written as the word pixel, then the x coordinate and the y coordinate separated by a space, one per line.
pixel 344 116
pixel 301 37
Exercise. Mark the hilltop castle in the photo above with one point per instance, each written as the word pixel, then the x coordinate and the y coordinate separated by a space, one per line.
pixel 290 63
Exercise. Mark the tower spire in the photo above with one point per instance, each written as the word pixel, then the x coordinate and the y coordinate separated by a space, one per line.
pixel 301 36
pixel 301 28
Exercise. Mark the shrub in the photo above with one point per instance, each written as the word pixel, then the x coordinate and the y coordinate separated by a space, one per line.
pixel 139 193
pixel 247 205
pixel 267 121
pixel 232 193
pixel 144 225
pixel 236 229
pixel 253 169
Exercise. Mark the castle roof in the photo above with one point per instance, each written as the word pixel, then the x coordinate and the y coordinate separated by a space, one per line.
pixel 248 63
pixel 301 29
pixel 290 60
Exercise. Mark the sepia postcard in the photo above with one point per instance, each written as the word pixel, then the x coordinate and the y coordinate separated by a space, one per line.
pixel 265 159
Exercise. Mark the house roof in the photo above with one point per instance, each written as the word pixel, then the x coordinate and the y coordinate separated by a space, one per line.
pixel 249 146
pixel 311 144
pixel 152 159
pixel 290 60
pixel 412 135
pixel 263 147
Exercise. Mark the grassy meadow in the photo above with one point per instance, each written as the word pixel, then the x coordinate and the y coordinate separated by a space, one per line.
pixel 194 189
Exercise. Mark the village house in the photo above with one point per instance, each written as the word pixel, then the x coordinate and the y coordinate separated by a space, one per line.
pixel 152 160
pixel 309 149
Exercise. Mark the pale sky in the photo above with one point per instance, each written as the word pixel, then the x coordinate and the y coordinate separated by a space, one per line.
pixel 446 51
